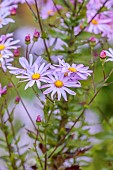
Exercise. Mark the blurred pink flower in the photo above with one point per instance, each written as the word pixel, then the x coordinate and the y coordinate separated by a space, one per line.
pixel 2 90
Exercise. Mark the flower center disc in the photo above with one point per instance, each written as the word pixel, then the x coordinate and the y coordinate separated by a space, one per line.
pixel 2 46
pixel 0 55
pixel 35 76
pixel 58 83
pixel 49 12
pixel 94 21
pixel 72 69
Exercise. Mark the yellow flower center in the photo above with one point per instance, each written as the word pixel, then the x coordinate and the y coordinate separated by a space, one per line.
pixel 0 20
pixel 2 46
pixel 49 12
pixel 94 21
pixel 35 76
pixel 0 55
pixel 0 64
pixel 58 83
pixel 72 69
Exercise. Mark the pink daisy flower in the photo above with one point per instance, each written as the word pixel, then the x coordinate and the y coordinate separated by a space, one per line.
pixel 7 43
pixel 58 84
pixel 36 75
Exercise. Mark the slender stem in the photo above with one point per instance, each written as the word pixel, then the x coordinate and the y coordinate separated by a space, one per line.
pixel 13 163
pixel 31 47
pixel 13 132
pixel 27 56
pixel 93 68
pixel 42 31
pixel 31 9
pixel 36 150
pixel 103 71
pixel 45 141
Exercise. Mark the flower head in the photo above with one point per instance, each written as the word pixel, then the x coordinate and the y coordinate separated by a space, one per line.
pixel 7 43
pixel 58 84
pixel 75 71
pixel 36 75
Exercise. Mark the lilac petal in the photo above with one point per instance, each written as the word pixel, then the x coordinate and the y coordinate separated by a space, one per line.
pixel 45 85
pixel 49 90
pixel 41 67
pixel 63 94
pixel 54 91
pixel 30 59
pixel 59 93
pixel 69 91
pixel 24 63
pixel 29 84
pixel 38 83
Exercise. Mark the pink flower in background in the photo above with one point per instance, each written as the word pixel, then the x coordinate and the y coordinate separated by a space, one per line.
pixel 7 43
pixel 2 90
pixel 4 20
pixel 100 24
pixel 49 9
pixel 7 5
pixel 58 84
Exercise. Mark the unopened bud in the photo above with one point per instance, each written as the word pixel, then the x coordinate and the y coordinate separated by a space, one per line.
pixel 13 11
pixel 38 119
pixel 36 35
pixel 10 85
pixel 103 54
pixel 17 99
pixel 92 41
pixel 27 39
pixel 16 53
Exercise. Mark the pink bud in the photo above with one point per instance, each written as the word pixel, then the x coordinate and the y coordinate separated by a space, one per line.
pixel 16 52
pixel 103 54
pixel 17 99
pixel 38 119
pixel 13 11
pixel 36 34
pixel 92 39
pixel 10 85
pixel 27 39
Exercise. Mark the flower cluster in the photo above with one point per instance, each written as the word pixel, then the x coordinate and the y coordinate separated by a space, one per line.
pixel 56 78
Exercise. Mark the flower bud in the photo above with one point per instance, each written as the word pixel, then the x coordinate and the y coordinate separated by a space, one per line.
pixel 36 35
pixel 17 99
pixel 103 54
pixel 92 41
pixel 10 85
pixel 27 39
pixel 13 11
pixel 16 53
pixel 38 119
